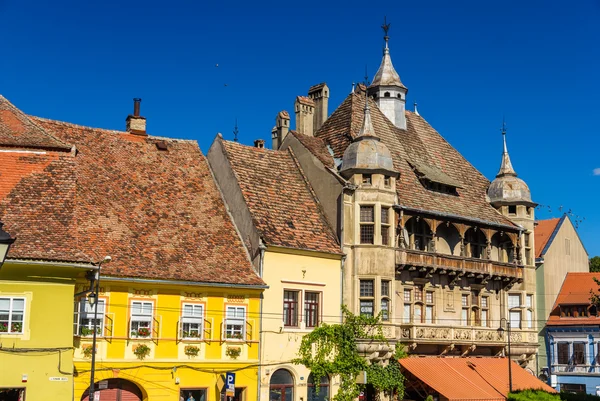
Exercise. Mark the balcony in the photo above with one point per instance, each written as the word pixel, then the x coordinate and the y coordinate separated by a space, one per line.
pixel 448 263
pixel 445 334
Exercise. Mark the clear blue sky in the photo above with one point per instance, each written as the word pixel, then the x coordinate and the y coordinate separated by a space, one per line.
pixel 467 64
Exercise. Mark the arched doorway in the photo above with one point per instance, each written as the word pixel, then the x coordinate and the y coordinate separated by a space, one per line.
pixel 282 386
pixel 115 390
pixel 323 394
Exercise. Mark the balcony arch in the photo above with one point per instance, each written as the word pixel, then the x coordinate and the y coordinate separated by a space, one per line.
pixel 502 248
pixel 475 243
pixel 447 240
pixel 420 236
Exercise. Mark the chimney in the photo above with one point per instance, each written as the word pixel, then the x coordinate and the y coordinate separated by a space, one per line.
pixel 136 124
pixel 320 96
pixel 282 127
pixel 305 110
pixel 259 143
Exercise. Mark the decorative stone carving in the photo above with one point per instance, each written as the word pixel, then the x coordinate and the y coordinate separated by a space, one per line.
pixel 462 334
pixel 449 301
pixel 516 337
pixel 405 333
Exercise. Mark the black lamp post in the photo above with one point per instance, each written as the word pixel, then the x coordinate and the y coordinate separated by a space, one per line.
pixel 5 242
pixel 501 331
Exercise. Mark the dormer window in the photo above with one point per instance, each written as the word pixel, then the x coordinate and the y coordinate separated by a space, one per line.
pixel 435 179
pixel 367 179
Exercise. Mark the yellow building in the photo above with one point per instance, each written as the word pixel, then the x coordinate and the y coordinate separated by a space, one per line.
pixel 178 304
pixel 297 253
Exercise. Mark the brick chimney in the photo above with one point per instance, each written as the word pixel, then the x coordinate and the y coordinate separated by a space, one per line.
pixel 305 110
pixel 320 96
pixel 259 143
pixel 282 127
pixel 136 124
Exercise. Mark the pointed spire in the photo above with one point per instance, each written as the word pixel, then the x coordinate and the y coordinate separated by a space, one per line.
pixel 416 110
pixel 506 167
pixel 367 127
pixel 386 75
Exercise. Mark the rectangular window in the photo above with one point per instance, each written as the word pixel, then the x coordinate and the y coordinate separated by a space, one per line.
pixel 429 297
pixel 529 301
pixel 429 314
pixel 385 309
pixel 418 294
pixel 464 317
pixel 418 313
pixel 484 318
pixel 12 311
pixel 515 319
pixel 514 300
pixel 290 308
pixel 512 210
pixel 529 317
pixel 385 226
pixel 407 297
pixel 367 179
pixel 464 300
pixel 385 288
pixel 86 318
pixel 578 353
pixel 562 351
pixel 484 302
pixel 141 319
pixel 573 388
pixel 567 246
pixel 311 309
pixel 192 319
pixel 406 313
pixel 366 288
pixel 366 308
pixel 387 181
pixel 235 322
pixel 367 224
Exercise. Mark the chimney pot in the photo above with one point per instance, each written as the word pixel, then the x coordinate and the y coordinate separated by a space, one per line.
pixel 259 143
pixel 136 106
pixel 136 124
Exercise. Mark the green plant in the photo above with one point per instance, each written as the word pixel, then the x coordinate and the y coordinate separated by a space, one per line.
pixel 532 395
pixel 87 351
pixel 191 350
pixel 233 352
pixel 235 336
pixel 429 398
pixel 578 397
pixel 86 331
pixel 331 350
pixel 141 351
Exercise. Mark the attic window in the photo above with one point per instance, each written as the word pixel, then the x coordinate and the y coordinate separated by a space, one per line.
pixel 162 145
pixel 435 179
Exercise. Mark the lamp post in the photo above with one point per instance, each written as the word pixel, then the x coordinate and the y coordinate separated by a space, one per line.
pixel 93 300
pixel 501 331
pixel 5 242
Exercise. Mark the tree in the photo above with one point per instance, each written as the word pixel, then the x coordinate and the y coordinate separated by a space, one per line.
pixel 595 264
pixel 330 350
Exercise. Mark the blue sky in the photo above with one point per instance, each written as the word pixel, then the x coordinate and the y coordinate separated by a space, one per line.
pixel 467 64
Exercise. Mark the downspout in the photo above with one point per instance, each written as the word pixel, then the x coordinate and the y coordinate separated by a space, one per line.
pixel 261 263
pixel 341 212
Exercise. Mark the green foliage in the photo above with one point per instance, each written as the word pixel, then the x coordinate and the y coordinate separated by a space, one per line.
pixel 191 350
pixel 141 351
pixel 330 350
pixel 532 395
pixel 578 397
pixel 429 398
pixel 233 352
pixel 595 264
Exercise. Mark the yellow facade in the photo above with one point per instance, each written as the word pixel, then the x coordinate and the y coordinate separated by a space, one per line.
pixel 167 369
pixel 38 357
pixel 301 273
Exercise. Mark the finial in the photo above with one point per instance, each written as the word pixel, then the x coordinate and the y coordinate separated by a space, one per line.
pixel 353 87
pixel 415 106
pixel 386 28
pixel 235 132
pixel 504 134
pixel 366 77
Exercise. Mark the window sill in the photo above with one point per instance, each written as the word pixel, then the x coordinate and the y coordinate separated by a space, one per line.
pixel 4 333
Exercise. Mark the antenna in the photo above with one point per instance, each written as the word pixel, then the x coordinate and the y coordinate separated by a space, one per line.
pixel 235 132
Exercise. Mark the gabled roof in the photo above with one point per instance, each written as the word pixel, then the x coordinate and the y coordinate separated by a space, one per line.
pixel 157 213
pixel 576 290
pixel 471 378
pixel 544 230
pixel 283 206
pixel 17 130
pixel 421 145
pixel 316 146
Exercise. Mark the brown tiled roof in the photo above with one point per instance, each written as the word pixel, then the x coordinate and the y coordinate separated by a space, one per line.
pixel 575 290
pixel 316 87
pixel 283 206
pixel 419 145
pixel 305 100
pixel 19 131
pixel 543 232
pixel 158 213
pixel 471 378
pixel 317 147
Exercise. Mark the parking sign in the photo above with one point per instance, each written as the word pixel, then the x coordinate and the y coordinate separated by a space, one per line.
pixel 230 384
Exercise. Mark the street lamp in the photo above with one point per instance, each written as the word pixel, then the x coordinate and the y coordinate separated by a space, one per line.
pixel 93 300
pixel 501 332
pixel 5 242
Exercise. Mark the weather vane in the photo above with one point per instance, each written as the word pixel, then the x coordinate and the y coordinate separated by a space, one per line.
pixel 503 126
pixel 235 132
pixel 385 26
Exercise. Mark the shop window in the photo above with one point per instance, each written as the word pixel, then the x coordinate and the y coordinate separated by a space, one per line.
pixel 192 394
pixel 323 393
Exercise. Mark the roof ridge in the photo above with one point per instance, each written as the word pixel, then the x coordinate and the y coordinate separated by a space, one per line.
pixel 73 125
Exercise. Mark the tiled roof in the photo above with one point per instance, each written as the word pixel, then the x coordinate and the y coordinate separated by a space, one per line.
pixel 317 147
pixel 283 206
pixel 419 145
pixel 305 100
pixel 543 232
pixel 19 131
pixel 158 213
pixel 575 290
pixel 471 378
pixel 316 87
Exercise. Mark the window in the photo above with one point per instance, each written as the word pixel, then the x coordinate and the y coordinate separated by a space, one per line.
pixel 387 181
pixel 515 319
pixel 528 211
pixel 464 314
pixel 429 297
pixel 573 388
pixel 419 234
pixel 367 179
pixel 235 322
pixel 418 294
pixel 367 290
pixel 192 320
pixel 514 300
pixel 485 312
pixel 385 226
pixel 86 318
pixel 407 297
pixel 418 313
pixel 578 353
pixel 322 394
pixel 512 210
pixel 196 394
pixel 476 243
pixel 311 309
pixel 290 308
pixel 12 311
pixel 367 224
pixel 562 353
pixel 385 301
pixel 529 311
pixel 567 246
pixel 406 310
pixel 528 253
pixel 386 94
pixel 141 319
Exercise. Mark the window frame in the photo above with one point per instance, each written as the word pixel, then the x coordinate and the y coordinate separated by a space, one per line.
pixel 192 320
pixel 385 225
pixel 581 352
pixel 291 312
pixel 132 321
pixel 564 353
pixel 385 299
pixel 316 310
pixel 9 322
pixel 365 224
pixel 100 327
pixel 365 298
pixel 233 334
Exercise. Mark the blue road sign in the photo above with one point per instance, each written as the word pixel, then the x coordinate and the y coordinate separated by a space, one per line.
pixel 230 384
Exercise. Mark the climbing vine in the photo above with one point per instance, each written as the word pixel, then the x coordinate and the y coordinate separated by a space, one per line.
pixel 331 350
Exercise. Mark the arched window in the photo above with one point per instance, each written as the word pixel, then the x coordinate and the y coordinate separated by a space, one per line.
pixel 322 394
pixel 476 244
pixel 386 94
pixel 399 96
pixel 281 386
pixel 420 235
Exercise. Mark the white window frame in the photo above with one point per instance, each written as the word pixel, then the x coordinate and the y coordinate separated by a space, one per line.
pixel 86 312
pixel 142 319
pixel 193 319
pixel 234 326
pixel 9 323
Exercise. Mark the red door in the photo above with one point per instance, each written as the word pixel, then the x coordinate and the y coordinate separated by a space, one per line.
pixel 116 390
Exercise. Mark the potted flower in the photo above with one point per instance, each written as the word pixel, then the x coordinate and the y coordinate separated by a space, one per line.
pixel 3 327
pixel 141 351
pixel 87 351
pixel 16 327
pixel 141 332
pixel 191 350
pixel 233 352
pixel 235 336
pixel 86 331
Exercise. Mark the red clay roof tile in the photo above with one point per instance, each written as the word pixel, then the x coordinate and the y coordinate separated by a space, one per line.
pixel 317 147
pixel 576 290
pixel 543 232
